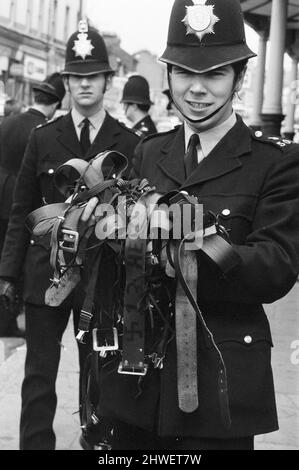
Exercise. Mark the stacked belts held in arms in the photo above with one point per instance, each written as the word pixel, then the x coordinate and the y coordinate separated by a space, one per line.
pixel 140 287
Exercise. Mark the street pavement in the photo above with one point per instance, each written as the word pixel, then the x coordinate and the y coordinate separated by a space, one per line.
pixel 284 320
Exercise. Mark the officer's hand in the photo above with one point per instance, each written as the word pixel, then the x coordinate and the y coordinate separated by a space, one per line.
pixel 87 215
pixel 8 295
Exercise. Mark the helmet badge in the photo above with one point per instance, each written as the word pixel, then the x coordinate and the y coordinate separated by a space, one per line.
pixel 83 46
pixel 200 19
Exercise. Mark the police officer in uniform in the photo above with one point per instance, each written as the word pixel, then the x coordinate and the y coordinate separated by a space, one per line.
pixel 87 130
pixel 251 183
pixel 136 99
pixel 14 134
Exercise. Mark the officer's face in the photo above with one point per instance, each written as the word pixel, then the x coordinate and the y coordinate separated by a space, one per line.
pixel 199 95
pixel 87 92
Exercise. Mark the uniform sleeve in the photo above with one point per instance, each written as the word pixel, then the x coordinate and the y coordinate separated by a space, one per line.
pixel 270 256
pixel 26 199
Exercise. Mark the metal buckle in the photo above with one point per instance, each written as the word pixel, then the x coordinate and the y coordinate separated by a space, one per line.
pixel 70 241
pixel 107 347
pixel 123 369
pixel 80 336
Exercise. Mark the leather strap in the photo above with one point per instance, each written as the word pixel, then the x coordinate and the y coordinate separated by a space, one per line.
pixel 222 376
pixel 76 171
pixel 134 315
pixel 186 338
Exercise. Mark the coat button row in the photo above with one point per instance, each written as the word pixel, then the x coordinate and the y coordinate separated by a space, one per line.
pixel 248 339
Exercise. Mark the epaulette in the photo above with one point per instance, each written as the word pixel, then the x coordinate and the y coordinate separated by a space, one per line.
pixel 160 134
pixel 276 141
pixel 127 128
pixel 49 122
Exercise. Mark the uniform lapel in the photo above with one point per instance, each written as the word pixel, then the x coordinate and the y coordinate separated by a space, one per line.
pixel 172 162
pixel 67 135
pixel 224 158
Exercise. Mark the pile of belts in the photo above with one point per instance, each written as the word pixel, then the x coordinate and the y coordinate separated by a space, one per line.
pixel 144 273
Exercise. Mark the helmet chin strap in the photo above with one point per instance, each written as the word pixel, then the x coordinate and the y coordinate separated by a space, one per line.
pixel 198 121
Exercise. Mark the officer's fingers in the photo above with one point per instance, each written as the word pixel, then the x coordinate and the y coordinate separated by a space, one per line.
pixel 90 207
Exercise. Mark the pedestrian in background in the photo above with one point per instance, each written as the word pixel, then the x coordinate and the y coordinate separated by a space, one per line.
pixel 136 100
pixel 14 134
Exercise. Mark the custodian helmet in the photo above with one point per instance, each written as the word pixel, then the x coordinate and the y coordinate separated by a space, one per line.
pixel 206 34
pixel 136 90
pixel 86 53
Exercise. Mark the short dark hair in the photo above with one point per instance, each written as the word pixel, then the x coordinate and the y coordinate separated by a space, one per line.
pixel 44 98
pixel 144 107
pixel 239 68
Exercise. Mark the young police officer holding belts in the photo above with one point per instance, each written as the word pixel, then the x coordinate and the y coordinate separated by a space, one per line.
pixel 83 133
pixel 251 182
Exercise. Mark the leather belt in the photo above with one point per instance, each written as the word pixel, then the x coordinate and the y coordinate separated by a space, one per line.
pixel 186 338
pixel 85 179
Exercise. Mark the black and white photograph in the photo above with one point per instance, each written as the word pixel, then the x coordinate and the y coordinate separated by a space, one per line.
pixel 149 228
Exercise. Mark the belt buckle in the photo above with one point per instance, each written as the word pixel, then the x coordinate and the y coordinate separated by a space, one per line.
pixel 70 241
pixel 124 369
pixel 108 347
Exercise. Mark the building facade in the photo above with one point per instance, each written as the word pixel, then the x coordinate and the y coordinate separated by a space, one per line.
pixel 33 35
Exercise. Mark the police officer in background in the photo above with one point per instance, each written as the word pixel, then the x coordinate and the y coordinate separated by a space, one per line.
pixel 14 134
pixel 136 99
pixel 84 132
pixel 251 183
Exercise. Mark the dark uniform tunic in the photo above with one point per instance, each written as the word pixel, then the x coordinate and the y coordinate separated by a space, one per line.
pixel 49 146
pixel 145 127
pixel 252 183
pixel 14 134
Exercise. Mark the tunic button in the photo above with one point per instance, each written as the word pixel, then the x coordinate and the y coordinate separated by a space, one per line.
pixel 258 134
pixel 248 339
pixel 32 242
pixel 226 212
pixel 51 171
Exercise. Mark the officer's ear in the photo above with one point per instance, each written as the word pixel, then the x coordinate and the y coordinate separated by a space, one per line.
pixel 66 83
pixel 240 80
pixel 108 82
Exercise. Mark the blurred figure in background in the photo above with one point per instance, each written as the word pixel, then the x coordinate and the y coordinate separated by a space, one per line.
pixel 12 107
pixel 14 133
pixel 136 99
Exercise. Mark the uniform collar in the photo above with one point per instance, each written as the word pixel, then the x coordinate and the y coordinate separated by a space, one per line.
pixel 224 158
pixel 96 120
pixel 210 138
pixel 37 112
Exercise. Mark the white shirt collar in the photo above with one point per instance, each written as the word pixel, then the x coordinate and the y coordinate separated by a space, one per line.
pixel 210 138
pixel 96 121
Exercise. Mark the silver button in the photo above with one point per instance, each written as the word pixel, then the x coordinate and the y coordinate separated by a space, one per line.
pixel 226 212
pixel 51 171
pixel 258 134
pixel 248 339
pixel 32 242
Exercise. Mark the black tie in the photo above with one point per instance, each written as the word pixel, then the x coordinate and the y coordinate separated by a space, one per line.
pixel 191 160
pixel 84 136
